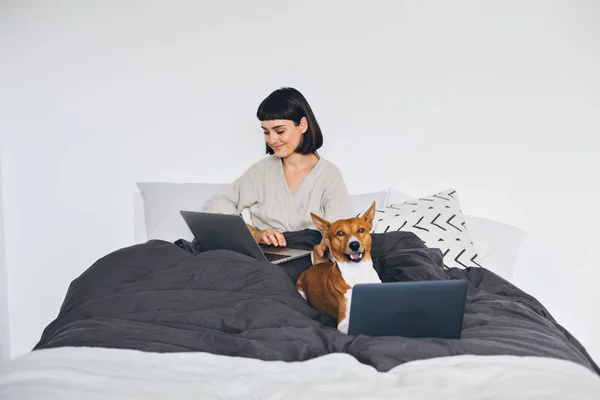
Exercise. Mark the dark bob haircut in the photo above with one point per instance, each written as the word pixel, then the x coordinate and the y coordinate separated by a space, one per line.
pixel 288 103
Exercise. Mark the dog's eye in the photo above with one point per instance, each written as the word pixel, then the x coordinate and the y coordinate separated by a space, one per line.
pixel 361 230
pixel 340 233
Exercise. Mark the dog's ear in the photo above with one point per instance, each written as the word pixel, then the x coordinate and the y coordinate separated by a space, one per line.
pixel 321 224
pixel 369 215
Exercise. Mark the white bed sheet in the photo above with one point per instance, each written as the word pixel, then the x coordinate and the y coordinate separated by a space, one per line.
pixel 96 373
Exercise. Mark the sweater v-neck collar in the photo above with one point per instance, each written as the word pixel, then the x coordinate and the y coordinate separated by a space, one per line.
pixel 306 178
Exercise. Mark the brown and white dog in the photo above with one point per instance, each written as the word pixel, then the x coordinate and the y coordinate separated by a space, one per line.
pixel 327 284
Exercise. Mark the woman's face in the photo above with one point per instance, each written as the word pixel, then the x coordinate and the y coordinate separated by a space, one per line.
pixel 283 136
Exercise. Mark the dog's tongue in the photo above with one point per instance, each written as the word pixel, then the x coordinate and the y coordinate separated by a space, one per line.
pixel 355 256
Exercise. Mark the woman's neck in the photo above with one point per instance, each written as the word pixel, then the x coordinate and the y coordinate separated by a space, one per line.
pixel 297 161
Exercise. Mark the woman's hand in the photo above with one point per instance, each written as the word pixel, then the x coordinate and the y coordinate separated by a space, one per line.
pixel 269 236
pixel 322 247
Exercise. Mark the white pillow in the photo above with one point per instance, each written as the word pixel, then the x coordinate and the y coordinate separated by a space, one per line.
pixel 498 244
pixel 438 221
pixel 360 203
pixel 394 196
pixel 162 202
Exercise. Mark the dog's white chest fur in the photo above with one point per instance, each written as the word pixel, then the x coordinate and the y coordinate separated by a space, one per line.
pixel 360 272
pixel 354 273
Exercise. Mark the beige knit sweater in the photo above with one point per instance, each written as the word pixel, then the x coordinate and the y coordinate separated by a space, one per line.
pixel 263 190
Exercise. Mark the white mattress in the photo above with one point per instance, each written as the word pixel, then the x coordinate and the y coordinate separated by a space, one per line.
pixel 96 373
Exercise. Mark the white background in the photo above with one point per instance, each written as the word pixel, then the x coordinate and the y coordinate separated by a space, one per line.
pixel 499 100
pixel 4 328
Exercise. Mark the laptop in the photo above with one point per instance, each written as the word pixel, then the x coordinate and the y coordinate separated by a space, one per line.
pixel 416 309
pixel 229 232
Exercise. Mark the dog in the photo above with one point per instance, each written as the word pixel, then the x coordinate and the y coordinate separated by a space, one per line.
pixel 327 284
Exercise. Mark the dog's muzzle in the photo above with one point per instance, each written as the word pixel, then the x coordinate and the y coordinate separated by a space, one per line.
pixel 355 254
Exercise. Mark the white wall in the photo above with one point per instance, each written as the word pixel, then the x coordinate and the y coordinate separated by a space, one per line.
pixel 4 327
pixel 497 99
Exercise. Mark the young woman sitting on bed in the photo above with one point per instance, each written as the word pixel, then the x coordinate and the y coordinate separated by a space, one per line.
pixel 281 190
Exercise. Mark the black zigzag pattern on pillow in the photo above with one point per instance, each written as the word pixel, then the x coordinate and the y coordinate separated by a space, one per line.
pixel 438 221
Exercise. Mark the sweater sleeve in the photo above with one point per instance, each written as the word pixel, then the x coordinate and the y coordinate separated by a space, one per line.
pixel 336 200
pixel 240 195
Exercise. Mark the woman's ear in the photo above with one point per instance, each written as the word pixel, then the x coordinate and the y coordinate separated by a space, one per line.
pixel 303 125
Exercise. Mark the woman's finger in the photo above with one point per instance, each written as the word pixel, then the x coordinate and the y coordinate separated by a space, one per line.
pixel 265 239
pixel 276 236
pixel 273 239
pixel 281 239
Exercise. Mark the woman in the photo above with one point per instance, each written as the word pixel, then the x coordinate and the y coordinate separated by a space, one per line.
pixel 281 190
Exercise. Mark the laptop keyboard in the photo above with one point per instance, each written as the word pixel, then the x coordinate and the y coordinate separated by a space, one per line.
pixel 274 257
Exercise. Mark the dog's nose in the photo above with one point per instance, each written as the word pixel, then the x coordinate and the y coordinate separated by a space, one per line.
pixel 354 246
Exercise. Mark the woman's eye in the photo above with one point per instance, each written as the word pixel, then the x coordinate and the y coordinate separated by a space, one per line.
pixel 279 132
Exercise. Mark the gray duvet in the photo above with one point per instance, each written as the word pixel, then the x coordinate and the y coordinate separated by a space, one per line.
pixel 173 297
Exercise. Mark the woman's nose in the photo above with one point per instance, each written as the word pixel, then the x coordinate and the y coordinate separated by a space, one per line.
pixel 271 138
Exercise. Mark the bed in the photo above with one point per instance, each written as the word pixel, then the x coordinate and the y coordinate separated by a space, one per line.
pixel 159 319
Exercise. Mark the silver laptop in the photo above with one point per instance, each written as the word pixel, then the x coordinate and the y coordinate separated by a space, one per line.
pixel 230 232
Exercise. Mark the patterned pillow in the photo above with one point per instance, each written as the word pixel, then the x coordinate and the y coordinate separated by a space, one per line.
pixel 438 221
